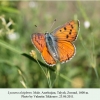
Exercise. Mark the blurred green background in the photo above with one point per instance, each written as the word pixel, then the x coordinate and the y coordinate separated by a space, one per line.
pixel 17 20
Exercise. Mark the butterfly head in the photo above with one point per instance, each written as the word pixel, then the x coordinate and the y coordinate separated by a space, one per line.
pixel 46 32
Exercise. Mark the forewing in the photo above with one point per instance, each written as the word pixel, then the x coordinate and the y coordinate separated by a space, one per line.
pixel 68 31
pixel 38 40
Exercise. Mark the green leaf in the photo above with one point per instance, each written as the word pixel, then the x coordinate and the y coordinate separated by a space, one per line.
pixel 9 9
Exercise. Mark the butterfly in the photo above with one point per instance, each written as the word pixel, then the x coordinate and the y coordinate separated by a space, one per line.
pixel 57 45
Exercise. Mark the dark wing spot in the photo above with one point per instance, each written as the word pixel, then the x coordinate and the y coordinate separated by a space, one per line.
pixel 67 36
pixel 70 32
pixel 64 28
pixel 71 26
pixel 60 30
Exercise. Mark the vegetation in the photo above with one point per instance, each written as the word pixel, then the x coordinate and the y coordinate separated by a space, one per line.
pixel 20 69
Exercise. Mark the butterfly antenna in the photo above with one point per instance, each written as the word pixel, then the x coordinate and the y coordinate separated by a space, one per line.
pixel 52 24
pixel 35 25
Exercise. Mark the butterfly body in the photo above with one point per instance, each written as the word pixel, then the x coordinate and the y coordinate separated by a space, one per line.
pixel 51 45
pixel 57 45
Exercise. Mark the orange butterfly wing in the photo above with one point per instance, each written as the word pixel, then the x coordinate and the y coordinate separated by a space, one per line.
pixel 65 35
pixel 47 57
pixel 67 32
pixel 39 41
pixel 66 50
